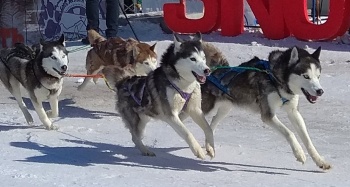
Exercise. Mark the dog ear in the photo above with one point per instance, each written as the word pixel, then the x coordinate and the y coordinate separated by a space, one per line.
pixel 135 51
pixel 316 54
pixel 177 38
pixel 274 55
pixel 177 42
pixel 197 37
pixel 294 56
pixel 41 41
pixel 153 47
pixel 41 44
pixel 62 40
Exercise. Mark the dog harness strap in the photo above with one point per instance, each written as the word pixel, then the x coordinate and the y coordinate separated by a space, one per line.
pixel 183 94
pixel 267 69
pixel 284 100
pixel 138 100
pixel 217 81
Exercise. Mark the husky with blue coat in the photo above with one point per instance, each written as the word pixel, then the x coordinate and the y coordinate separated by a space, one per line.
pixel 266 86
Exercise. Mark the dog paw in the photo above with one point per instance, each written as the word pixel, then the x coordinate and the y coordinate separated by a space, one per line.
pixel 50 114
pixel 323 165
pixel 301 157
pixel 29 119
pixel 210 151
pixel 80 88
pixel 51 127
pixel 148 153
pixel 299 154
pixel 95 80
pixel 198 152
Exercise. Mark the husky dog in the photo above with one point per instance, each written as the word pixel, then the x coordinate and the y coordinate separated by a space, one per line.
pixel 213 55
pixel 128 55
pixel 40 74
pixel 281 80
pixel 164 93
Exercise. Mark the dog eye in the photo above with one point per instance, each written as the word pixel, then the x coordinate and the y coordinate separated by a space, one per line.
pixel 306 76
pixel 147 63
pixel 193 59
pixel 53 57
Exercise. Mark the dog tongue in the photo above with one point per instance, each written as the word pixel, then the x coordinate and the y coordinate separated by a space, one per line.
pixel 313 98
pixel 202 79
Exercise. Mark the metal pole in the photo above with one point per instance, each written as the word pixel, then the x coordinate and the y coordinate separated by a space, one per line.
pixel 313 11
pixel 126 17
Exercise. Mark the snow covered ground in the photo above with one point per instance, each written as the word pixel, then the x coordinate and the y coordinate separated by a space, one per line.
pixel 92 147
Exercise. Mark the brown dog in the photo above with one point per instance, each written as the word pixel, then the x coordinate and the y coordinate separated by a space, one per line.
pixel 127 55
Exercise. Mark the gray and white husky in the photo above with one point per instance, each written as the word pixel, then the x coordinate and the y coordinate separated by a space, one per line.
pixel 40 72
pixel 164 93
pixel 265 87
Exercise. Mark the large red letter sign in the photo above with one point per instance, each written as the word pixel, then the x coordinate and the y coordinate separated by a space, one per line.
pixel 269 14
pixel 298 22
pixel 175 17
pixel 231 17
pixel 277 18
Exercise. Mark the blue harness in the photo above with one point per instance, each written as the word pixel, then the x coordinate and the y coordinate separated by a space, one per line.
pixel 240 69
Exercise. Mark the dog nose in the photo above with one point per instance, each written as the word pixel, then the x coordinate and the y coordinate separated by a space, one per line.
pixel 207 72
pixel 319 92
pixel 64 68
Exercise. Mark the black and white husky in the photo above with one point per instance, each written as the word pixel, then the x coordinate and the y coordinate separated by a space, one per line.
pixel 40 72
pixel 164 93
pixel 265 87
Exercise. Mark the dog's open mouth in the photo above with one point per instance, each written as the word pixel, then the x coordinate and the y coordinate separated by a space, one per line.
pixel 60 72
pixel 200 79
pixel 312 99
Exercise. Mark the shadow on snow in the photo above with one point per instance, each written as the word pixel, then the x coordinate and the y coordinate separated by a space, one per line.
pixel 92 153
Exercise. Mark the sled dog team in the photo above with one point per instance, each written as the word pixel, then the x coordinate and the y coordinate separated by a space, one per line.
pixel 193 79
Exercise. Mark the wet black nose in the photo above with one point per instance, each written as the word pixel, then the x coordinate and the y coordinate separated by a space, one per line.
pixel 64 68
pixel 319 92
pixel 207 72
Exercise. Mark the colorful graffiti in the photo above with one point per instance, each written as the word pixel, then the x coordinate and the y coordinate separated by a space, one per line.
pixel 65 16
pixel 10 27
pixel 29 20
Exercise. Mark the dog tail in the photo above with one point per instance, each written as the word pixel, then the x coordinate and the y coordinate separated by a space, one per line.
pixel 213 55
pixel 115 75
pixel 94 37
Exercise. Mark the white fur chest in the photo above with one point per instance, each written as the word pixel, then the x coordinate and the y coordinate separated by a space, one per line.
pixel 52 84
pixel 187 87
pixel 175 99
pixel 48 89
